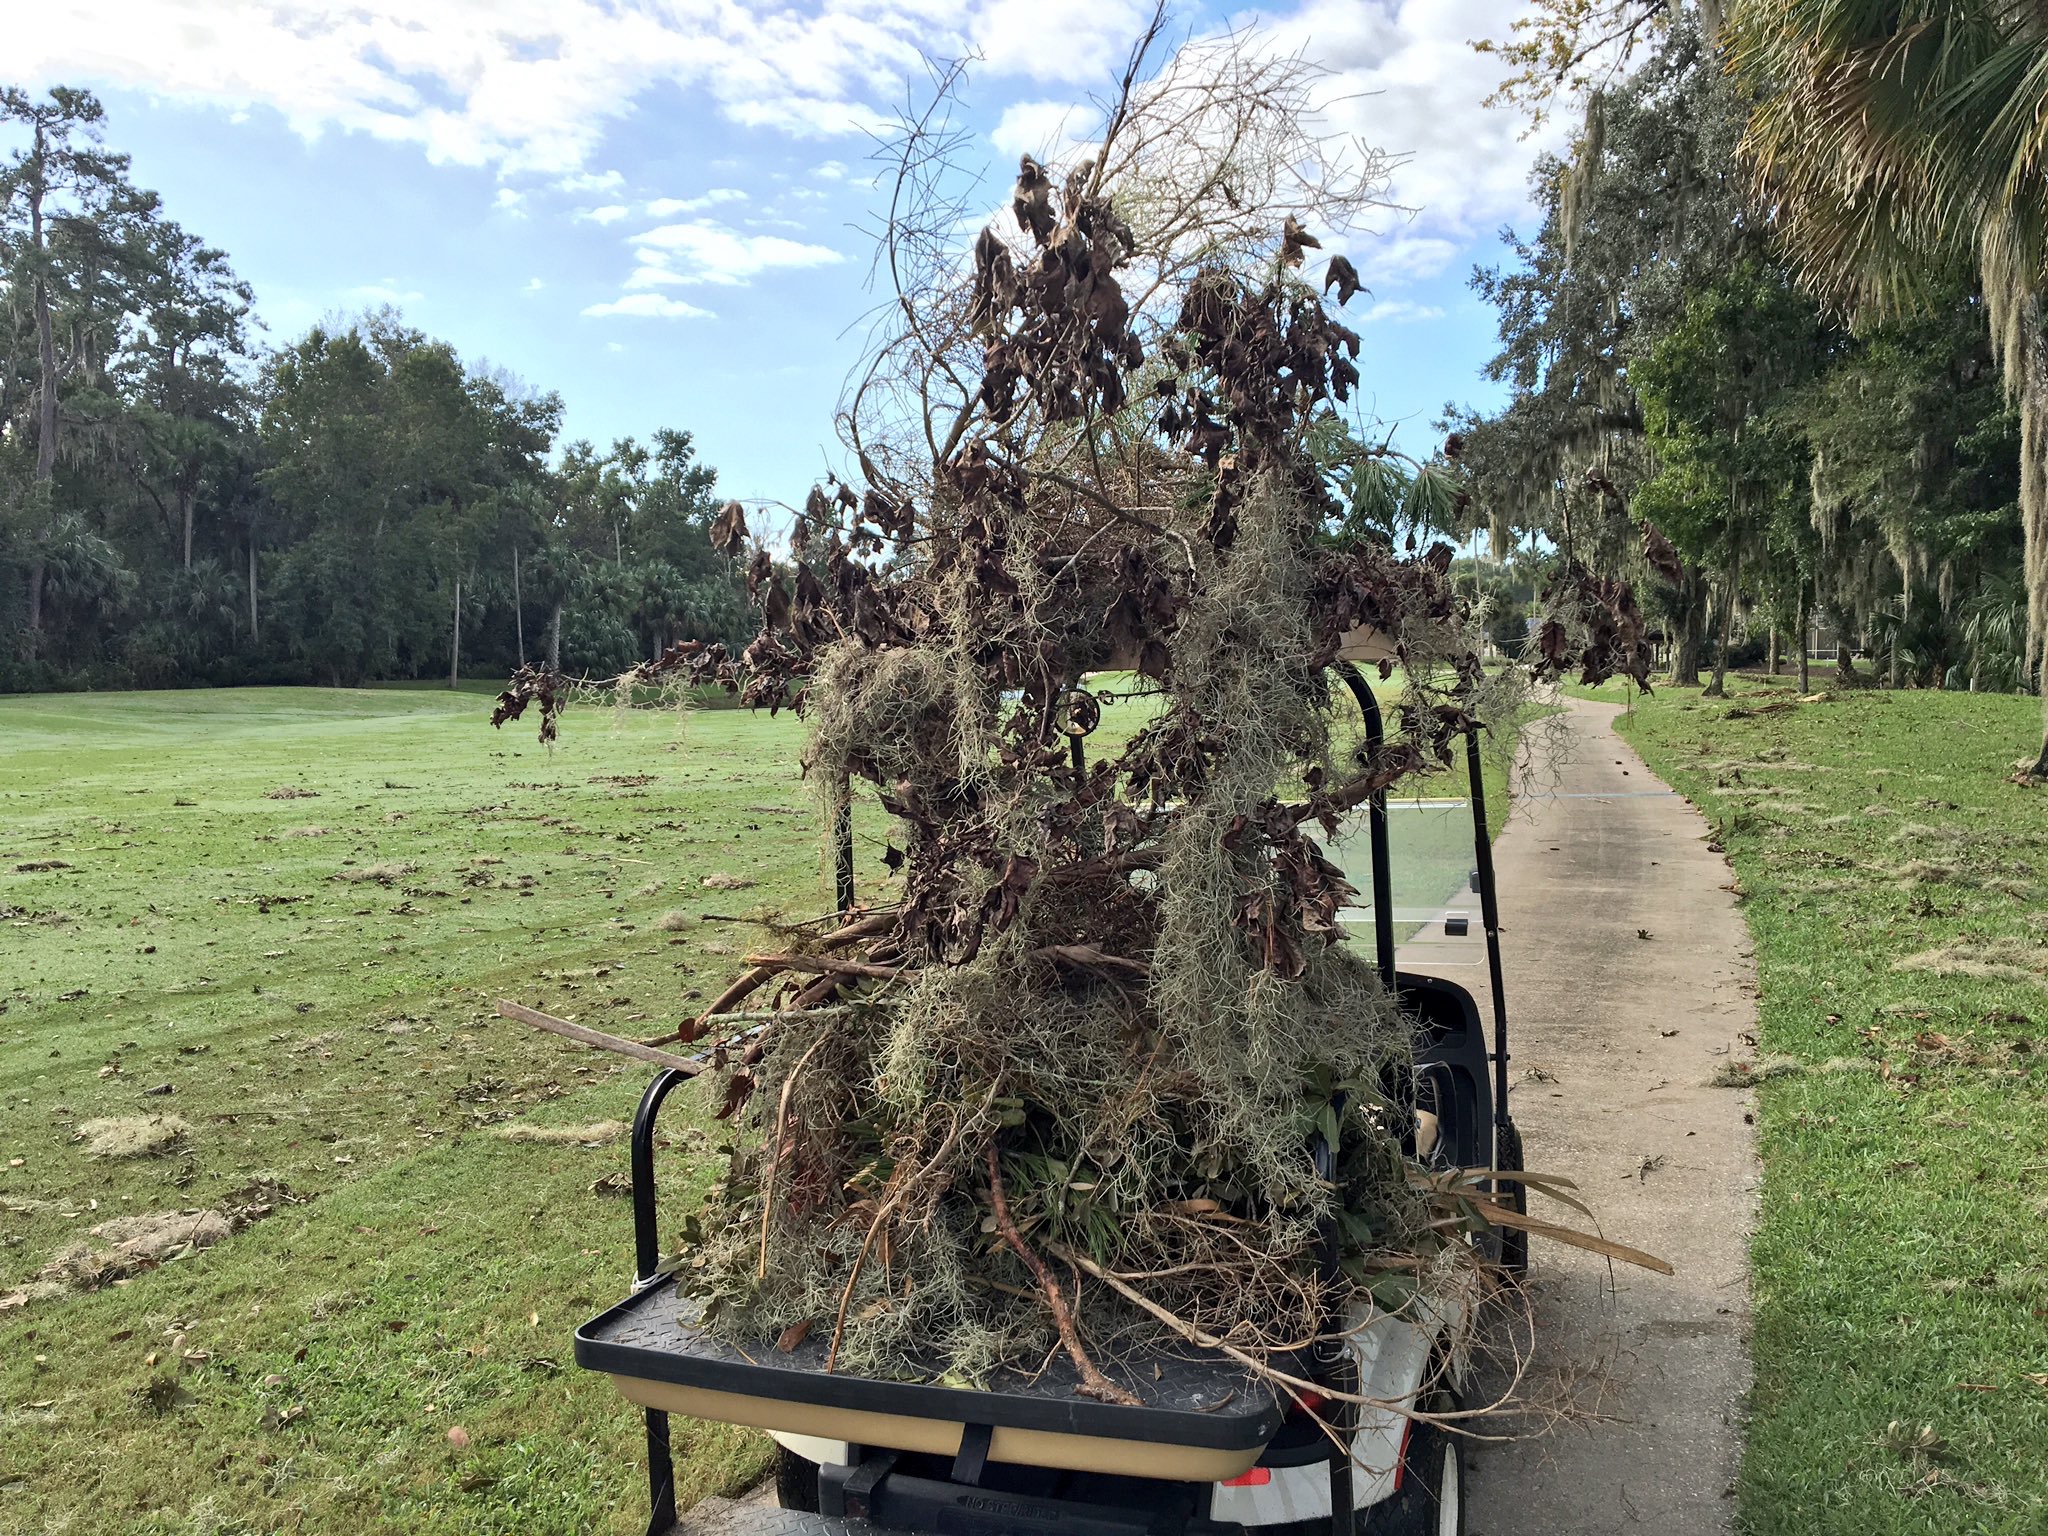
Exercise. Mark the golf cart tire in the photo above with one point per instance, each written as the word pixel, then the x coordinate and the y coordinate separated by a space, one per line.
pixel 1514 1244
pixel 796 1481
pixel 1431 1498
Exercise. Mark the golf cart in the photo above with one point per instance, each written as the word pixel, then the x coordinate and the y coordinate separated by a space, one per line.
pixel 1211 1451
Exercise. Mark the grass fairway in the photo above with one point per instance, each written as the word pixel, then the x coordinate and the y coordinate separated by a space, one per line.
pixel 305 982
pixel 281 917
pixel 1896 886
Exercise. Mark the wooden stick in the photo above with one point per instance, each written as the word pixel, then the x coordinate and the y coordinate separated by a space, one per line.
pixel 775 1152
pixel 746 1018
pixel 820 965
pixel 1089 956
pixel 603 1042
pixel 749 981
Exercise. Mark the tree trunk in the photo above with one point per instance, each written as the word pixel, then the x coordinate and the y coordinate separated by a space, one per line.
pixel 2034 502
pixel 1690 628
pixel 46 336
pixel 35 606
pixel 186 500
pixel 555 640
pixel 1898 633
pixel 1805 635
pixel 518 609
pixel 1718 688
pixel 1774 649
pixel 455 638
pixel 253 636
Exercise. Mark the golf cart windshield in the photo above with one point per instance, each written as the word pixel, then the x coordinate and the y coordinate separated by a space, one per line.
pixel 1435 903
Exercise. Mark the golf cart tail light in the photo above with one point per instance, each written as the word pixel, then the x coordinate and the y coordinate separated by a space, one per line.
pixel 1401 1466
pixel 1309 1402
pixel 1258 1477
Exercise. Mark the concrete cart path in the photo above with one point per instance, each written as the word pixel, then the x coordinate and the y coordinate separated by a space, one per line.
pixel 1629 984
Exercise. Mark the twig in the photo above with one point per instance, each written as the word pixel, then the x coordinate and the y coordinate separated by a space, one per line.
pixel 888 1209
pixel 1089 956
pixel 775 1152
pixel 1093 1383
pixel 820 965
pixel 750 981
pixel 604 1042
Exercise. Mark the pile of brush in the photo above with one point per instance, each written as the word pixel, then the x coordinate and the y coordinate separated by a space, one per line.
pixel 1063 1086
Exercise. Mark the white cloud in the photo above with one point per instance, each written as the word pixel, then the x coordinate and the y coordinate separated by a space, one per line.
pixel 591 181
pixel 611 213
pixel 1404 78
pixel 1403 256
pixel 1399 312
pixel 615 346
pixel 651 306
pixel 830 170
pixel 510 202
pixel 533 285
pixel 669 207
pixel 1040 128
pixel 705 251
pixel 1071 41
pixel 527 85
pixel 385 292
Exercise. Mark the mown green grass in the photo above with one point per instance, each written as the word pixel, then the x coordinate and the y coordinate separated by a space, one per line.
pixel 337 1036
pixel 1901 1259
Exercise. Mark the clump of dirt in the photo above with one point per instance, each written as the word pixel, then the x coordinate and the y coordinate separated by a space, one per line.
pixel 719 880
pixel 305 832
pixel 292 792
pixel 596 1134
pixel 133 1135
pixel 672 922
pixel 381 874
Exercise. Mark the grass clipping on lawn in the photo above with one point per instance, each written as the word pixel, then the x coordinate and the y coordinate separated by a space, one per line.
pixel 1098 1026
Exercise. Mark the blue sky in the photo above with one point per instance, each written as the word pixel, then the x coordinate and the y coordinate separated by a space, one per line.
pixel 659 208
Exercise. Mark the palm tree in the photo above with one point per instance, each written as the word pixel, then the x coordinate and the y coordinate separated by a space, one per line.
pixel 1899 140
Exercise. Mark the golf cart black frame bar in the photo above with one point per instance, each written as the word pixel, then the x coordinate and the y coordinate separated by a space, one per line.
pixel 1376 805
pixel 1489 917
pixel 661 1467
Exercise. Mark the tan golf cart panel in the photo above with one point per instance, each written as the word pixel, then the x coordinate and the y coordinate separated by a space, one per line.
pixel 838 1427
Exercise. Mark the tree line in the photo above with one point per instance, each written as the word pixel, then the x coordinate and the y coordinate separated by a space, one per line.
pixel 1775 349
pixel 181 504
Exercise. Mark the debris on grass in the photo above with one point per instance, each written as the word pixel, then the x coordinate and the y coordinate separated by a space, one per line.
pixel 128 1245
pixel 383 874
pixel 719 880
pixel 672 922
pixel 133 1135
pixel 40 867
pixel 291 792
pixel 1744 1074
pixel 1917 1443
pixel 2000 959
pixel 596 1134
pixel 304 832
